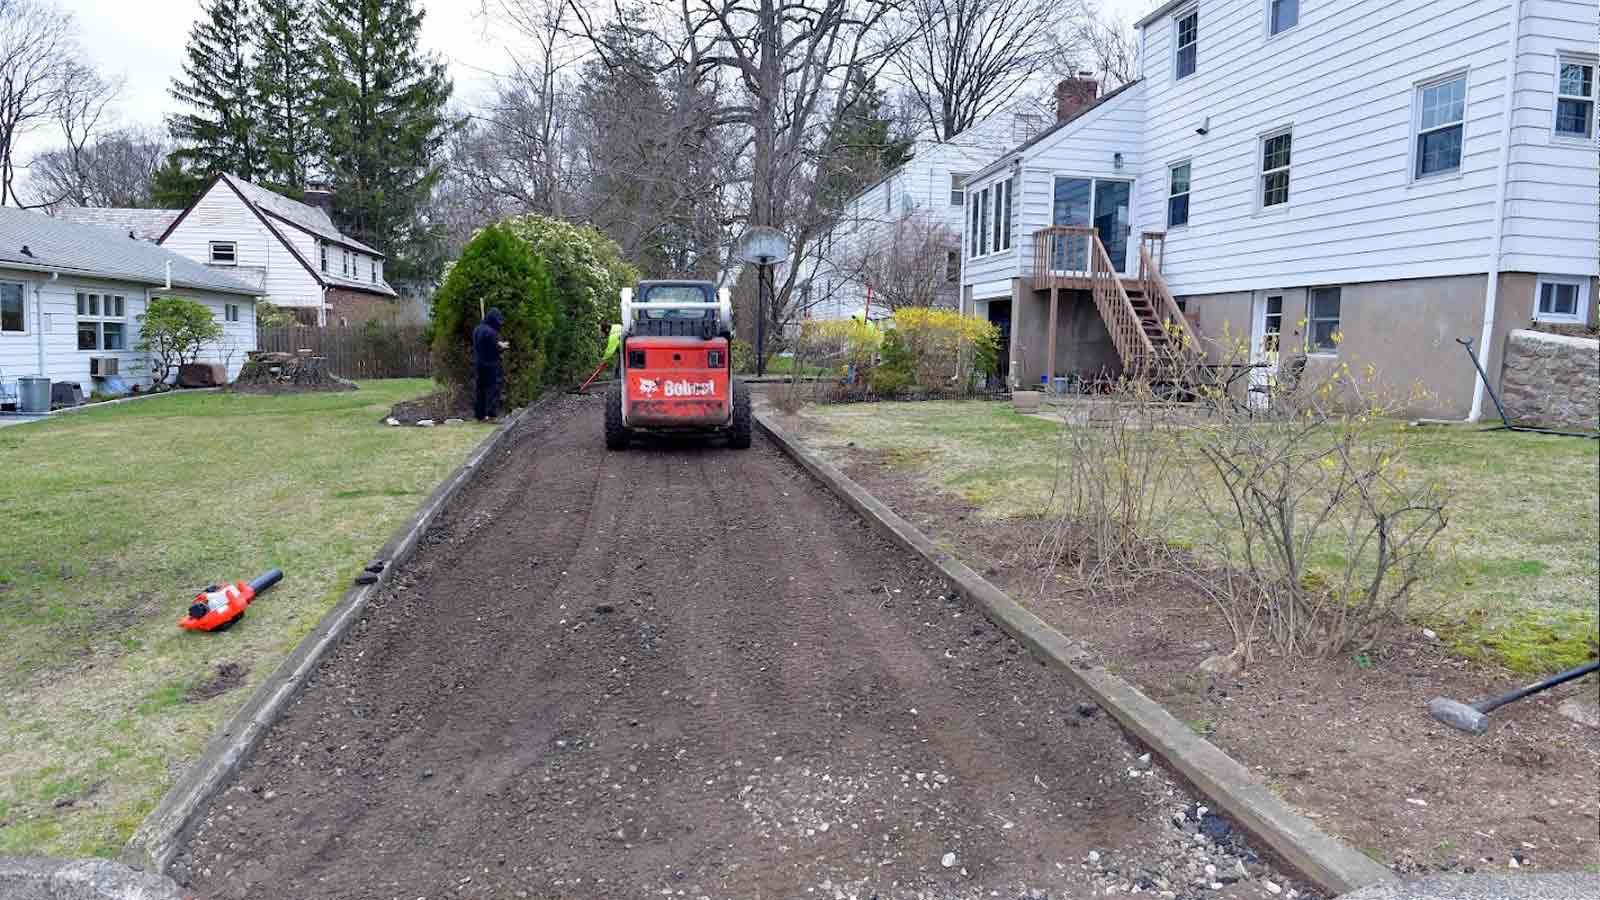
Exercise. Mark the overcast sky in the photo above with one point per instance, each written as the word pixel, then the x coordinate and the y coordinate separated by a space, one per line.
pixel 143 40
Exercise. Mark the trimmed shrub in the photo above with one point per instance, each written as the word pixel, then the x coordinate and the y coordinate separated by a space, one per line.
pixel 172 332
pixel 497 269
pixel 587 272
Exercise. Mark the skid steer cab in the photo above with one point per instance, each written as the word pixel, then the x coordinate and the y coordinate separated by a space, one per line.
pixel 675 366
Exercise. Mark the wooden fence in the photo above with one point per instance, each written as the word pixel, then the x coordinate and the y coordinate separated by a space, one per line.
pixel 371 351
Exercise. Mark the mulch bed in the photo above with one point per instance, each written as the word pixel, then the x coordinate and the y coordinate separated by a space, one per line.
pixel 437 406
pixel 1349 744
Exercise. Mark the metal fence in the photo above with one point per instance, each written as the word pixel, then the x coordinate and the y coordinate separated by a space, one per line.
pixel 370 351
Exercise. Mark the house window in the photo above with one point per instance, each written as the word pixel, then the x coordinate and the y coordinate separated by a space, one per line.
pixel 1187 32
pixel 230 312
pixel 1561 300
pixel 323 249
pixel 888 196
pixel 958 190
pixel 972 230
pixel 1284 15
pixel 1442 108
pixel 1178 195
pixel 1005 232
pixel 374 271
pixel 1575 98
pixel 344 263
pixel 224 253
pixel 102 321
pixel 13 308
pixel 952 266
pixel 1323 320
pixel 1272 324
pixel 999 207
pixel 1275 168
pixel 984 202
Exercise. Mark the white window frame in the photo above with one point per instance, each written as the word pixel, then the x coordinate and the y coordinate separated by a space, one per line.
pixel 230 312
pixel 1580 317
pixel 1577 59
pixel 1188 193
pixel 958 189
pixel 1010 186
pixel 1415 156
pixel 322 250
pixel 232 248
pixel 1177 24
pixel 99 317
pixel 985 207
pixel 1268 24
pixel 23 287
pixel 1262 171
pixel 973 202
pixel 1312 348
pixel 344 261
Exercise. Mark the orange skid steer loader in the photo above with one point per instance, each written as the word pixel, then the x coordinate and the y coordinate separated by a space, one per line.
pixel 675 366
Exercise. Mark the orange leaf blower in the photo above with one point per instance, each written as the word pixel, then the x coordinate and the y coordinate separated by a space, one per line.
pixel 218 607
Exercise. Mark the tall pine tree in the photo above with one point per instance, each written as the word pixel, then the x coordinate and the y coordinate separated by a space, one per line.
pixel 383 121
pixel 284 75
pixel 218 85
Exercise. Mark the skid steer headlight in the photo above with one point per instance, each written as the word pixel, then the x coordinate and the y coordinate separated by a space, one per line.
pixel 713 359
pixel 635 359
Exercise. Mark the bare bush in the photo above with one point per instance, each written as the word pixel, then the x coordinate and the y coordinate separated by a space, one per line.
pixel 1318 532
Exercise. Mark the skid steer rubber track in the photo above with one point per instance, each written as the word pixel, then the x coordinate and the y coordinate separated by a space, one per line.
pixel 617 435
pixel 739 432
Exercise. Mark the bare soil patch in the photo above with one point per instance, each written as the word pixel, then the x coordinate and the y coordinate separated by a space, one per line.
pixel 227 676
pixel 689 671
pixel 438 406
pixel 1347 741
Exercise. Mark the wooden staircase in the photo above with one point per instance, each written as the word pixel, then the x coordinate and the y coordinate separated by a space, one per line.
pixel 1152 338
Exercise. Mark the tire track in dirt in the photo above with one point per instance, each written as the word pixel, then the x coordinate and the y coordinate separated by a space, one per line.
pixel 679 669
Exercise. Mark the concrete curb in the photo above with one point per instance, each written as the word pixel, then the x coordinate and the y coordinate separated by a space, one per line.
pixel 155 841
pixel 41 878
pixel 1327 862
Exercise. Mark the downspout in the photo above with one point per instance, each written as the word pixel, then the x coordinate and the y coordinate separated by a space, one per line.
pixel 1492 291
pixel 38 331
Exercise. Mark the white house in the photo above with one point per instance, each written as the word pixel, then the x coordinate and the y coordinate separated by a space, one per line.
pixel 292 251
pixel 71 296
pixel 1396 174
pixel 917 208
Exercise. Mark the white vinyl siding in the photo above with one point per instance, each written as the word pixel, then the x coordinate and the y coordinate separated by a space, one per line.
pixel 1549 226
pixel 259 256
pixel 1346 78
pixel 51 349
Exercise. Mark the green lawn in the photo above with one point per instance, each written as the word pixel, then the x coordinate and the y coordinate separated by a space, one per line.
pixel 113 519
pixel 1519 574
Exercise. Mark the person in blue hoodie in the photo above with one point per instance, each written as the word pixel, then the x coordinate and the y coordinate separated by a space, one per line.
pixel 486 349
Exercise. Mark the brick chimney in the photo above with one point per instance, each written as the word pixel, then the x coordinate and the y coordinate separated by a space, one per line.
pixel 320 196
pixel 1073 94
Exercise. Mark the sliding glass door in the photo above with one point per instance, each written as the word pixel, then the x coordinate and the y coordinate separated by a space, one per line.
pixel 1102 203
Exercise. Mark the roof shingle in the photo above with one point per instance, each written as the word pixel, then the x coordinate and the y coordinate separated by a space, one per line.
pixel 98 251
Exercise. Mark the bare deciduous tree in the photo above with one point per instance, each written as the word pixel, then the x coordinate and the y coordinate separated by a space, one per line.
pixel 37 49
pixel 115 168
pixel 82 103
pixel 1100 41
pixel 907 264
pixel 971 57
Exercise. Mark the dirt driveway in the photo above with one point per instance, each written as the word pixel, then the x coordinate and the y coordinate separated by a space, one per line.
pixel 689 671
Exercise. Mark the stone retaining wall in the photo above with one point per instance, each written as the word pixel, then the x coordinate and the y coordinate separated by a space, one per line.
pixel 82 879
pixel 1551 380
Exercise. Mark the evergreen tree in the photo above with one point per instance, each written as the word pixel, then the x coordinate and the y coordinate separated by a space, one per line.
pixel 861 147
pixel 174 185
pixel 284 66
pixel 383 122
pixel 218 85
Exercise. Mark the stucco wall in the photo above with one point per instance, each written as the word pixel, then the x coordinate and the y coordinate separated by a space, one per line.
pixel 1406 330
pixel 1551 380
pixel 1083 346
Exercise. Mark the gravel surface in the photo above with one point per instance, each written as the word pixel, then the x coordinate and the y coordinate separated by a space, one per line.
pixel 689 671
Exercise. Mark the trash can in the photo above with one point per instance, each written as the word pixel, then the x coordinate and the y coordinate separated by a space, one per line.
pixel 33 394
